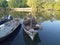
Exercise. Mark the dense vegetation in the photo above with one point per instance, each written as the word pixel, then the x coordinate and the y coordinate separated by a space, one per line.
pixel 40 8
pixel 17 3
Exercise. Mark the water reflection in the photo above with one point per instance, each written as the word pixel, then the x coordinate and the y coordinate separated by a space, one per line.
pixel 29 41
pixel 49 35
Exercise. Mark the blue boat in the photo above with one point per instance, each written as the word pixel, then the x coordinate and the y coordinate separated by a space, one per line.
pixel 9 27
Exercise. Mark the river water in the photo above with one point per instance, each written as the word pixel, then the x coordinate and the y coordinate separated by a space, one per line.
pixel 49 35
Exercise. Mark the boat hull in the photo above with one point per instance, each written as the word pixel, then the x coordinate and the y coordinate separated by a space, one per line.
pixel 10 35
pixel 2 38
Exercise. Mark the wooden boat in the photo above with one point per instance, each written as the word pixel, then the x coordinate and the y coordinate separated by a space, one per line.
pixel 31 27
pixel 31 31
pixel 9 27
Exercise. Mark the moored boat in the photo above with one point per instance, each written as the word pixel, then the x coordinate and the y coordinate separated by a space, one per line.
pixel 7 28
pixel 30 26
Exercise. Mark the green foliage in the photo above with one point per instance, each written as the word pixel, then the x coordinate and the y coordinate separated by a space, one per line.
pixel 36 5
pixel 18 14
pixel 17 3
pixel 13 3
pixel 3 4
pixel 57 6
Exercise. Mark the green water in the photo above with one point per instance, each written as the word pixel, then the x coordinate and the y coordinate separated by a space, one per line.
pixel 42 16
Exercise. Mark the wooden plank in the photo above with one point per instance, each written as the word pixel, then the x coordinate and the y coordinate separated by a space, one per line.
pixel 22 9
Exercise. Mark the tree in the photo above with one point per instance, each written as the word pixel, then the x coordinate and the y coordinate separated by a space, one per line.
pixel 36 5
pixel 16 3
pixel 3 4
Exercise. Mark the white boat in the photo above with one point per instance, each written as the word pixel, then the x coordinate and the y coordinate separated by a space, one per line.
pixel 7 28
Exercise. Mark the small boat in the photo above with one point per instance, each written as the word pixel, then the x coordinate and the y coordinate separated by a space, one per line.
pixel 31 27
pixel 31 31
pixel 9 27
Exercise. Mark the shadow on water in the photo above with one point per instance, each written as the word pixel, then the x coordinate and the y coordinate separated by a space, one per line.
pixel 11 37
pixel 29 41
